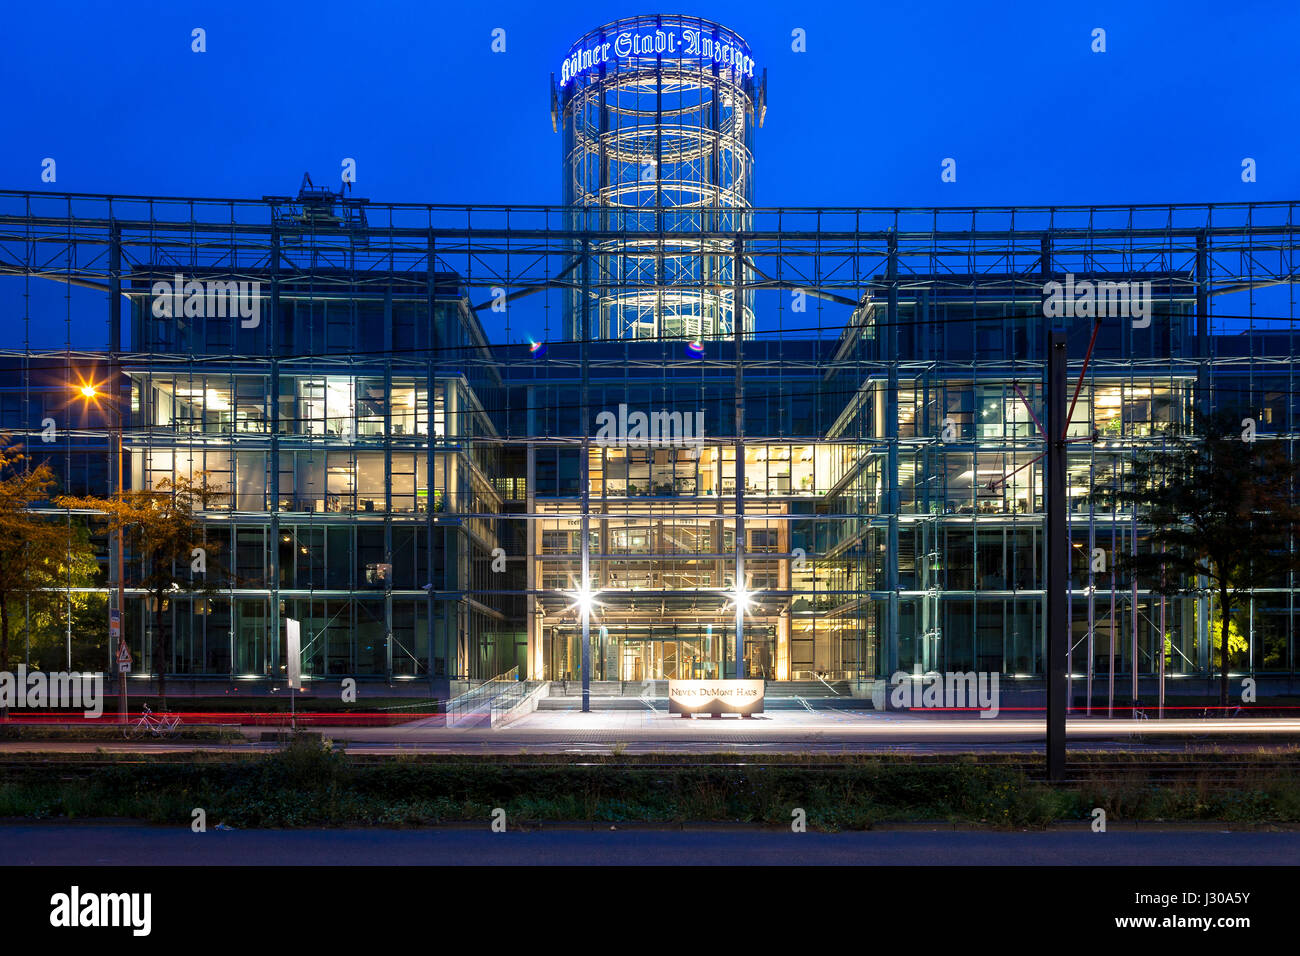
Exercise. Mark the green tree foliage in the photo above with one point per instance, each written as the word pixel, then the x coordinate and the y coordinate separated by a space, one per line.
pixel 1220 505
pixel 48 624
pixel 38 553
pixel 162 530
pixel 1237 644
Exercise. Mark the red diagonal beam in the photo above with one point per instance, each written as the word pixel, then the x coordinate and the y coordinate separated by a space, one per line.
pixel 1096 327
pixel 1029 408
pixel 993 483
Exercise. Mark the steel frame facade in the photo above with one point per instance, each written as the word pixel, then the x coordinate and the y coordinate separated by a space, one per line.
pixel 873 329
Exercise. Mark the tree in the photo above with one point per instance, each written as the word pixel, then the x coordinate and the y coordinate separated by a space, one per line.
pixel 167 539
pixel 1219 504
pixel 76 593
pixel 34 550
pixel 1237 643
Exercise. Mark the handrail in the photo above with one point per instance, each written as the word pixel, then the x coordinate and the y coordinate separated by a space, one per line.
pixel 474 699
pixel 508 697
pixel 828 686
pixel 503 704
pixel 429 705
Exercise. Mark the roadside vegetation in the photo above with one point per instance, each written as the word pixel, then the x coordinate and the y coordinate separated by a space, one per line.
pixel 112 732
pixel 309 782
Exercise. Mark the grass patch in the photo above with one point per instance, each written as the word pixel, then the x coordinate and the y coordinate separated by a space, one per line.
pixel 312 783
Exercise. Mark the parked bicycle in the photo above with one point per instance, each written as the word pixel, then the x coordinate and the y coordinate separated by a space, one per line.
pixel 160 725
pixel 1209 712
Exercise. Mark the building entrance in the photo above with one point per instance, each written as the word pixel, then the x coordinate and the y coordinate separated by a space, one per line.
pixel 630 651
pixel 666 660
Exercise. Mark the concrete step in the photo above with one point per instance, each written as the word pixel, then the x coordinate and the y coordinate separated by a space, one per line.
pixel 599 703
pixel 807 688
pixel 611 688
pixel 573 703
pixel 775 689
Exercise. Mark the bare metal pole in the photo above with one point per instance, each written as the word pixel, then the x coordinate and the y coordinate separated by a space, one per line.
pixel 115 370
pixel 1134 635
pixel 584 607
pixel 1161 645
pixel 1058 556
pixel 1092 580
pixel 738 329
pixel 69 561
pixel 1069 592
pixel 1114 519
pixel 121 576
pixel 890 644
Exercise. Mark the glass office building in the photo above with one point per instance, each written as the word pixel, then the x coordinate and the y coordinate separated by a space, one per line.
pixel 437 428
pixel 414 491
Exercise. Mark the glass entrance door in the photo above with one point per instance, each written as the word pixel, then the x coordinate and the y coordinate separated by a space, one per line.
pixel 666 660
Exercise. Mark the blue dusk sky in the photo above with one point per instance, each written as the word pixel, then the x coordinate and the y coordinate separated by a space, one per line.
pixel 884 92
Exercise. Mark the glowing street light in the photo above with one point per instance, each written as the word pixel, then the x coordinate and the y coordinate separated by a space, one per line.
pixel 741 598
pixel 584 599
pixel 90 392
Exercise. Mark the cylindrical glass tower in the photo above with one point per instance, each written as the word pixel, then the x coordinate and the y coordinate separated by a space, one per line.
pixel 658 116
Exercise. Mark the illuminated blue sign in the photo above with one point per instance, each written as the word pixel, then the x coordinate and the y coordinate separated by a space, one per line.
pixel 728 54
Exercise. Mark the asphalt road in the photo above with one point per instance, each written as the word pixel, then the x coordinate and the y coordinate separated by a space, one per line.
pixel 111 845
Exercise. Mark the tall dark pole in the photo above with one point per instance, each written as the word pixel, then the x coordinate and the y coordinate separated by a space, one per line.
pixel 893 499
pixel 738 335
pixel 117 411
pixel 1058 557
pixel 584 591
pixel 121 568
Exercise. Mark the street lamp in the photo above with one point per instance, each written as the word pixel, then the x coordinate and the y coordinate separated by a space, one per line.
pixel 742 599
pixel 90 392
pixel 584 599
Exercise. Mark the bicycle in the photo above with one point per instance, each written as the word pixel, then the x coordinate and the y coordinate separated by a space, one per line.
pixel 159 725
pixel 1209 712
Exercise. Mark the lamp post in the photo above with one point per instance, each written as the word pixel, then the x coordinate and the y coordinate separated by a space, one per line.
pixel 742 597
pixel 584 599
pixel 1058 558
pixel 91 394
